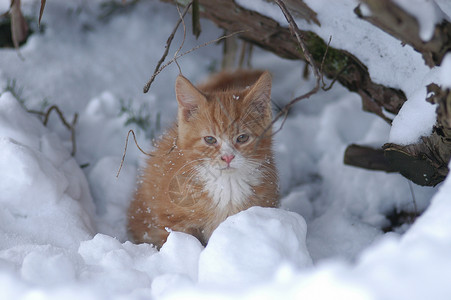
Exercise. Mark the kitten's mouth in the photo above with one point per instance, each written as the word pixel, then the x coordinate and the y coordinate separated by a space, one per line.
pixel 227 169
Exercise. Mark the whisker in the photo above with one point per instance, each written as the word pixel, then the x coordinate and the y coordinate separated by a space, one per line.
pixel 189 163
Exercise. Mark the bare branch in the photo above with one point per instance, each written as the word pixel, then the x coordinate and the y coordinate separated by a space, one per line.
pixel 308 57
pixel 189 51
pixel 166 51
pixel 299 36
pixel 184 37
pixel 160 68
pixel 322 63
pixel 71 127
pixel 326 88
pixel 72 134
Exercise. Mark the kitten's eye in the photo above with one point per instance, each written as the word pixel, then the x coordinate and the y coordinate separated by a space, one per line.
pixel 242 138
pixel 210 140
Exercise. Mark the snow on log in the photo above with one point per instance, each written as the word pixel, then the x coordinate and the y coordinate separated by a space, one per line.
pixel 428 33
pixel 270 35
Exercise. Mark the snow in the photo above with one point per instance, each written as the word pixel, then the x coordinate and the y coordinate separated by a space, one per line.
pixel 376 49
pixel 445 71
pixel 379 52
pixel 416 117
pixel 270 237
pixel 62 218
pixel 36 164
pixel 428 14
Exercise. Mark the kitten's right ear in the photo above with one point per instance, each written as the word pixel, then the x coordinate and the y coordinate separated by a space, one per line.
pixel 188 97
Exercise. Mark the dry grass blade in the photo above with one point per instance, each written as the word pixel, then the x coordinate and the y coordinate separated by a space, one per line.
pixel 41 11
pixel 19 27
pixel 125 150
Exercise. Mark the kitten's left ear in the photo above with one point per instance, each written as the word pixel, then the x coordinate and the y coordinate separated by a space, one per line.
pixel 259 95
pixel 188 97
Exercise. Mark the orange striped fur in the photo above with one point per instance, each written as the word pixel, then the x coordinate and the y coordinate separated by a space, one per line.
pixel 212 163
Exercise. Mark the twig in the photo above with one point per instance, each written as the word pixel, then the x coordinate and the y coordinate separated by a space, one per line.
pixel 324 88
pixel 72 134
pixel 189 51
pixel 166 51
pixel 322 62
pixel 299 36
pixel 184 37
pixel 71 127
pixel 56 108
pixel 308 57
pixel 125 150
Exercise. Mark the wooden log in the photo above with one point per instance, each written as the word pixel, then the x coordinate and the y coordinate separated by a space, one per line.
pixel 426 163
pixel 338 64
pixel 367 157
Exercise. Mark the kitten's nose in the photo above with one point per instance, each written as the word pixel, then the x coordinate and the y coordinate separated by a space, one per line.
pixel 228 158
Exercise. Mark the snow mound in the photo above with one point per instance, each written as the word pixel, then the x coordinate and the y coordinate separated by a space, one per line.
pixel 269 237
pixel 44 192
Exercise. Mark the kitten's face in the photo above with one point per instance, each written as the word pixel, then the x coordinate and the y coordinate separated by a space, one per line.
pixel 224 130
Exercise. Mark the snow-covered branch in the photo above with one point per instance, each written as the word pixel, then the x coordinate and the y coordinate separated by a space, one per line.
pixel 341 65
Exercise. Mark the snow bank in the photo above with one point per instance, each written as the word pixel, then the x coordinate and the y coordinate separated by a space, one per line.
pixel 44 192
pixel 415 266
pixel 48 239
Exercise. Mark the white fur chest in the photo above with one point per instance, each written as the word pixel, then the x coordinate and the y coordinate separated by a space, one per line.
pixel 230 189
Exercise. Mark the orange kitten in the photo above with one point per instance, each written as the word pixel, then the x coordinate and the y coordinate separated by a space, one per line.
pixel 213 163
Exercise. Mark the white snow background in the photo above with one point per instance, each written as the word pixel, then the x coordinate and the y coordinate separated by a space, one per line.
pixel 62 227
